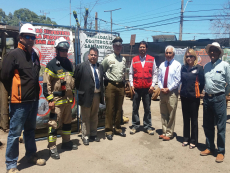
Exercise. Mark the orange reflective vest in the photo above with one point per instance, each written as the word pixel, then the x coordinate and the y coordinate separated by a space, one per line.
pixel 142 77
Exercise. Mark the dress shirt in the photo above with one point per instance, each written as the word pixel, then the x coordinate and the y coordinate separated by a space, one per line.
pixel 216 76
pixel 97 71
pixel 154 71
pixel 114 67
pixel 174 75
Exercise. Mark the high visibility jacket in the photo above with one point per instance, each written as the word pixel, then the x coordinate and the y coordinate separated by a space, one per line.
pixel 142 77
pixel 58 81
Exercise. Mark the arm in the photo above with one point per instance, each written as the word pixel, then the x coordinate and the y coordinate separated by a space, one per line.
pixel 104 64
pixel 154 74
pixel 201 79
pixel 131 76
pixel 227 78
pixel 7 73
pixel 160 78
pixel 77 75
pixel 47 78
pixel 176 79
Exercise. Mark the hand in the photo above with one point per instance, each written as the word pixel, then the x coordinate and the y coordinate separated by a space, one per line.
pixel 165 90
pixel 132 87
pixel 51 105
pixel 151 90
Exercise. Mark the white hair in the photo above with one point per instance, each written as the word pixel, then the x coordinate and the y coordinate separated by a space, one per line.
pixel 169 46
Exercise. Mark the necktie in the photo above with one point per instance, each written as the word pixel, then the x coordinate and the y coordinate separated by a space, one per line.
pixel 96 77
pixel 166 76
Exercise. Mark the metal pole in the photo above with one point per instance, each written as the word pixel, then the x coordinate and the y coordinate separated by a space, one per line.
pixel 181 20
pixel 70 13
pixel 111 17
pixel 96 28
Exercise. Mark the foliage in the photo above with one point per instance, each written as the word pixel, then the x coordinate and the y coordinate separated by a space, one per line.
pixel 221 23
pixel 24 15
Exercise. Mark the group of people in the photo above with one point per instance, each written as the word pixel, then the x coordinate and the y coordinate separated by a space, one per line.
pixel 94 82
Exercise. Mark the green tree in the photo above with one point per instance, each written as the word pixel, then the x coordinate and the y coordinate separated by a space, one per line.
pixel 24 15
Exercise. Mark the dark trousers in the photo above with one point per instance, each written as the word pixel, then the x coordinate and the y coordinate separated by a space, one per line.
pixel 146 99
pixel 114 97
pixel 190 108
pixel 215 114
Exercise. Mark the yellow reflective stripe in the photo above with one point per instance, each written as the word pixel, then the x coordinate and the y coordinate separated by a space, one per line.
pixel 63 101
pixel 66 132
pixel 50 97
pixel 73 91
pixel 71 73
pixel 52 138
pixel 61 75
pixel 51 73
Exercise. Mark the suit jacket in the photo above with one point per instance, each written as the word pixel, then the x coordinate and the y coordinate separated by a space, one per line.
pixel 85 84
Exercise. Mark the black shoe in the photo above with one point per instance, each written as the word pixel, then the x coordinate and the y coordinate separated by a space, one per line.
pixel 110 137
pixel 95 138
pixel 54 154
pixel 120 134
pixel 69 146
pixel 85 141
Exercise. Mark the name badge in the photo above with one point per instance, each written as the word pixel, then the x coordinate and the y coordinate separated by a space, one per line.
pixel 112 62
pixel 194 71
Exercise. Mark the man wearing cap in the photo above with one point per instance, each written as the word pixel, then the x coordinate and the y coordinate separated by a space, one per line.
pixel 142 77
pixel 58 88
pixel 217 79
pixel 20 74
pixel 89 83
pixel 169 77
pixel 114 68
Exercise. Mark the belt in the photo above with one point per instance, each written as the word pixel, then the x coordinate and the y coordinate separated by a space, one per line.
pixel 212 95
pixel 116 83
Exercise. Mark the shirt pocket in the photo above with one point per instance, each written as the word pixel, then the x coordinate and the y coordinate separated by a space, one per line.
pixel 218 76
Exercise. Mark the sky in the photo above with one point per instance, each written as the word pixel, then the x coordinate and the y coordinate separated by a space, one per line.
pixel 144 18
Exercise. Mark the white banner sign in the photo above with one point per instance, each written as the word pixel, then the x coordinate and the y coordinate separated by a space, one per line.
pixel 44 43
pixel 102 41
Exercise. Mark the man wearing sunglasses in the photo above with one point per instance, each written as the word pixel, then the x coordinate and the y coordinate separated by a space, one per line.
pixel 58 87
pixel 20 74
pixel 217 79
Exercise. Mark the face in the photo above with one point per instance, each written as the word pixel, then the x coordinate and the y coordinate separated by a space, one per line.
pixel 117 48
pixel 63 53
pixel 93 57
pixel 27 41
pixel 190 59
pixel 169 54
pixel 214 53
pixel 142 49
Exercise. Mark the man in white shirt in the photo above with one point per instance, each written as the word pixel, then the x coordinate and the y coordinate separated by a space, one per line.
pixel 142 77
pixel 168 81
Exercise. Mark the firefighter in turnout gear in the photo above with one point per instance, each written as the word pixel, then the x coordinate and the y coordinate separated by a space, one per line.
pixel 58 86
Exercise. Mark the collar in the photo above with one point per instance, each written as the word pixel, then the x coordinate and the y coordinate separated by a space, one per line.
pixel 216 63
pixel 143 57
pixel 22 47
pixel 91 63
pixel 170 62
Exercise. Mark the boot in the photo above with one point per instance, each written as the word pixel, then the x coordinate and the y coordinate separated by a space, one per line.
pixel 34 159
pixel 53 150
pixel 69 146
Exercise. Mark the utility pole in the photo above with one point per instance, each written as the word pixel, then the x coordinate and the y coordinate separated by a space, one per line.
pixel 70 12
pixel 96 28
pixel 111 17
pixel 181 19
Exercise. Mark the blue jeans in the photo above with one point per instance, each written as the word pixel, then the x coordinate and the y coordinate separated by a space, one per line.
pixel 215 114
pixel 22 116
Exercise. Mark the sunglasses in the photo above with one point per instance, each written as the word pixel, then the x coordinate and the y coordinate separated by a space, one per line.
pixel 190 56
pixel 63 50
pixel 29 37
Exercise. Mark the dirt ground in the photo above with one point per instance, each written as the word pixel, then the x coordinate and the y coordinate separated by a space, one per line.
pixel 133 154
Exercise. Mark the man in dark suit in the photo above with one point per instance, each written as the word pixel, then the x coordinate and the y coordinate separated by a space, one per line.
pixel 89 83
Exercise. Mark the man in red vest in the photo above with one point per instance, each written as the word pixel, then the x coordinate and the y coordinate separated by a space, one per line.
pixel 142 77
